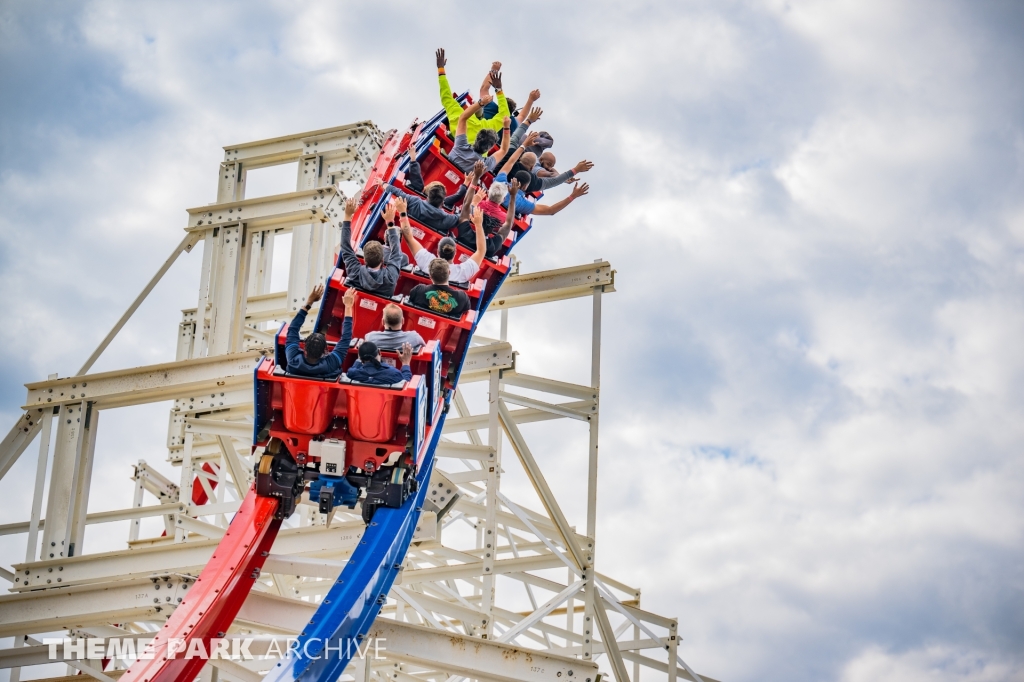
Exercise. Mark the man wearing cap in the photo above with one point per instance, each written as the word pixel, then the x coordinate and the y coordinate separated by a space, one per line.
pixel 369 369
pixel 461 272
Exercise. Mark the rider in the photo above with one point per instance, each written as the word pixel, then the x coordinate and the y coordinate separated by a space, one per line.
pixel 311 361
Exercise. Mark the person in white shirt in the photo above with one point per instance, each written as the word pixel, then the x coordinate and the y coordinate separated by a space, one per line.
pixel 458 272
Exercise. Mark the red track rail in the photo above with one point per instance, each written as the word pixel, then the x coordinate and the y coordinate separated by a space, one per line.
pixel 217 595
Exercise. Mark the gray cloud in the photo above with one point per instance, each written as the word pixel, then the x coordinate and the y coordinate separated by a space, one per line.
pixel 812 369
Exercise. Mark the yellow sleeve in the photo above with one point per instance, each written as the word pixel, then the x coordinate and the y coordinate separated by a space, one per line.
pixel 451 107
pixel 495 123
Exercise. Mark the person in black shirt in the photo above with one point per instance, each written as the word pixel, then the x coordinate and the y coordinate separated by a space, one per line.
pixel 414 181
pixel 439 298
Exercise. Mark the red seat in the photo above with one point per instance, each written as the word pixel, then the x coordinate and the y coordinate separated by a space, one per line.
pixel 369 308
pixel 437 168
pixel 309 405
pixel 373 415
pixel 375 421
pixel 442 140
pixel 451 333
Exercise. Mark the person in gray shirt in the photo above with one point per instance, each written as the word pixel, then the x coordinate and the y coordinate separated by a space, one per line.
pixel 393 337
pixel 430 212
pixel 464 155
pixel 380 273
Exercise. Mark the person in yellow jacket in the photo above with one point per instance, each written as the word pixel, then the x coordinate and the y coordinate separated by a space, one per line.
pixel 454 109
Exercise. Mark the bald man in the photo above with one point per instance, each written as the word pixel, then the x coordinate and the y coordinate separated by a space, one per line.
pixel 393 337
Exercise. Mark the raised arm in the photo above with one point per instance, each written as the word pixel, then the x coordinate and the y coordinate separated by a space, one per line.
pixel 291 347
pixel 517 153
pixel 499 94
pixel 478 170
pixel 451 106
pixel 452 199
pixel 300 316
pixel 348 254
pixel 505 137
pixel 523 111
pixel 392 238
pixel 481 238
pixel 485 87
pixel 414 245
pixel 405 356
pixel 349 299
pixel 391 189
pixel 532 117
pixel 577 192
pixel 581 167
pixel 341 349
pixel 476 106
pixel 510 214
pixel 414 174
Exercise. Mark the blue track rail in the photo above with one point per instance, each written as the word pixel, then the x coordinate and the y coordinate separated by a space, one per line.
pixel 346 613
pixel 337 629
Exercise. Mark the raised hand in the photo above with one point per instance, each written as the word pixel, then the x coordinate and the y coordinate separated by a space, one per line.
pixel 441 61
pixel 401 204
pixel 583 166
pixel 351 205
pixel 315 295
pixel 389 212
pixel 349 298
pixel 534 95
pixel 405 355
pixel 579 190
pixel 506 122
pixel 513 188
pixel 478 171
pixel 378 186
pixel 531 138
pixel 534 115
pixel 479 196
pixel 495 66
pixel 496 80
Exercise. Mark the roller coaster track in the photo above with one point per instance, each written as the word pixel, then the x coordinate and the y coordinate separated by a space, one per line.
pixel 217 595
pixel 212 376
pixel 348 610
pixel 350 607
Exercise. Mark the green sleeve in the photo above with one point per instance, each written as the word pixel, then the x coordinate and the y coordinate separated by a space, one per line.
pixel 495 123
pixel 451 107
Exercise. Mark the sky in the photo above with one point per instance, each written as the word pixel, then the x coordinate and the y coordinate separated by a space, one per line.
pixel 813 359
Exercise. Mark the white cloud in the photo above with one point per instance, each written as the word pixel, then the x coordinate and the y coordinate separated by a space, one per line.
pixel 811 448
pixel 932 664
